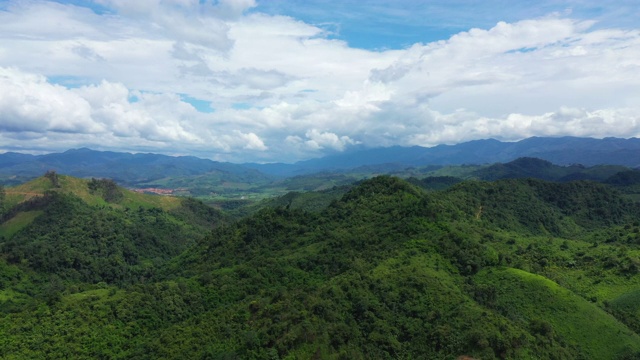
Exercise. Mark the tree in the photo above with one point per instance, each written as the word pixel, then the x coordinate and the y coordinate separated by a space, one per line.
pixel 107 188
pixel 53 176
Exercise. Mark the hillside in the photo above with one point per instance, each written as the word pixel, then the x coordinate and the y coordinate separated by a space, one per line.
pixel 63 184
pixel 92 230
pixel 526 167
pixel 506 269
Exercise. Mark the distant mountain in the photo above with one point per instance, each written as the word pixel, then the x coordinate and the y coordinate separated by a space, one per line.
pixel 125 168
pixel 131 169
pixel 12 158
pixel 561 151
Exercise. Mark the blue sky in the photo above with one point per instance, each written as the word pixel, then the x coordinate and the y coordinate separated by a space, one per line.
pixel 285 80
pixel 397 24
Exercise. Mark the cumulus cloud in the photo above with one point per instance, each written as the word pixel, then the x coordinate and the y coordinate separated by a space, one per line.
pixel 252 141
pixel 281 90
pixel 320 140
pixel 189 21
pixel 260 79
pixel 106 115
pixel 30 104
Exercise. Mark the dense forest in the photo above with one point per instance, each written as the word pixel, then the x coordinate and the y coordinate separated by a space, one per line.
pixel 382 269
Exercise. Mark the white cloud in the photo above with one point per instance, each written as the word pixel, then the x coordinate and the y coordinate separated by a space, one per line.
pixel 281 90
pixel 318 140
pixel 30 104
pixel 464 126
pixel 232 9
pixel 253 142
pixel 107 115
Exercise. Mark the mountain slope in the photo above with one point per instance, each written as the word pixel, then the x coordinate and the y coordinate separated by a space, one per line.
pixel 386 271
pixel 62 225
pixel 390 265
pixel 583 326
pixel 81 188
pixel 538 207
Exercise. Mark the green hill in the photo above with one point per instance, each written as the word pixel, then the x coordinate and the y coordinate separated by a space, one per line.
pixel 24 202
pixel 92 230
pixel 512 269
pixel 540 207
pixel 81 188
pixel 391 268
pixel 554 314
pixel 527 167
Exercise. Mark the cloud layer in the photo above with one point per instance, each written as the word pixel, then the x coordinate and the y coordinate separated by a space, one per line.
pixel 226 81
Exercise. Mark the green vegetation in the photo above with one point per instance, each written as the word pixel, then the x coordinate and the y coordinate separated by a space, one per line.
pixel 236 192
pixel 18 222
pixel 554 314
pixel 95 192
pixel 430 268
pixel 79 238
pixel 2 199
pixel 107 189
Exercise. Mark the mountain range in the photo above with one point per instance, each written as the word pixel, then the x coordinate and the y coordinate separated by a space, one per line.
pixel 131 169
pixel 560 150
pixel 125 168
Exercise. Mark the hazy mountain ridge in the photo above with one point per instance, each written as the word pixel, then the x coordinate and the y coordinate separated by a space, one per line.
pixel 561 151
pixel 125 168
pixel 132 169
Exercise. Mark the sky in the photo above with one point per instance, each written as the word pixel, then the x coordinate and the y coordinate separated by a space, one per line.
pixel 288 80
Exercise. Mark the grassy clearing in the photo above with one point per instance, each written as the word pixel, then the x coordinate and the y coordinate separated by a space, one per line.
pixel 79 188
pixel 17 223
pixel 564 260
pixel 134 200
pixel 528 298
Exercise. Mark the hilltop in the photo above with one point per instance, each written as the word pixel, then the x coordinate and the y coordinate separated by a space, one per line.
pixel 93 230
pixel 92 192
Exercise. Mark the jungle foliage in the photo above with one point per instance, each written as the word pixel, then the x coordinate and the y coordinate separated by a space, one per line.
pixel 384 269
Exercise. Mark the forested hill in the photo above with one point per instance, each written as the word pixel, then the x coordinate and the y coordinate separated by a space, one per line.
pixel 512 269
pixel 527 167
pixel 92 230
